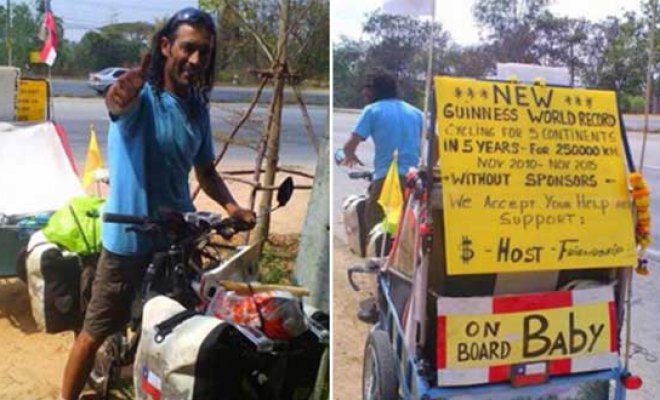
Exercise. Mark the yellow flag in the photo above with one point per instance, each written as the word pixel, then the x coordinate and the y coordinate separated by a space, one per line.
pixel 390 197
pixel 94 160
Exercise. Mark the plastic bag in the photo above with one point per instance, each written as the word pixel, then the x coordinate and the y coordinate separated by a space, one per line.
pixel 77 225
pixel 282 313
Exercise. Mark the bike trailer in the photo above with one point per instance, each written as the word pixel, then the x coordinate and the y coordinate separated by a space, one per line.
pixel 186 355
pixel 510 272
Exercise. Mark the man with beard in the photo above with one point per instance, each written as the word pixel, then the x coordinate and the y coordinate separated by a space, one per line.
pixel 160 130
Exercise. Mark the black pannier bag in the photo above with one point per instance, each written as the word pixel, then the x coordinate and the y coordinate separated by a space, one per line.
pixel 186 355
pixel 53 280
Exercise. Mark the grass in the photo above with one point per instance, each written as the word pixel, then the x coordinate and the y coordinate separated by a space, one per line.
pixel 278 259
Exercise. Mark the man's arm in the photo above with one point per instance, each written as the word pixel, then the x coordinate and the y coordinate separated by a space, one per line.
pixel 349 151
pixel 213 185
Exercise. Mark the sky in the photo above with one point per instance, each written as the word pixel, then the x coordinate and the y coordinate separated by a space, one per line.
pixel 79 16
pixel 456 15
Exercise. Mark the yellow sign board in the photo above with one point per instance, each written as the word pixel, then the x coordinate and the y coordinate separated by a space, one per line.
pixel 35 57
pixel 474 341
pixel 534 178
pixel 32 100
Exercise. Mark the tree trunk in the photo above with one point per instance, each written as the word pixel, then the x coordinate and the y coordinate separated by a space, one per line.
pixel 273 140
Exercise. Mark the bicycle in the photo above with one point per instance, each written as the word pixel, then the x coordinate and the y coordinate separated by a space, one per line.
pixel 190 271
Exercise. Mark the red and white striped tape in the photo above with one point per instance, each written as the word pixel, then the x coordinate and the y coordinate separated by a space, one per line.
pixel 448 306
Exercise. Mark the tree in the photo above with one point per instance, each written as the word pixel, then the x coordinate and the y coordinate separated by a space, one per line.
pixel 98 50
pixel 562 42
pixel 248 31
pixel 616 55
pixel 510 27
pixel 136 32
pixel 23 34
pixel 395 43
pixel 472 61
pixel 349 57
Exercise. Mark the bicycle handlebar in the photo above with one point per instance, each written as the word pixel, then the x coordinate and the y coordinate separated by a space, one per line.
pixel 124 219
pixel 226 227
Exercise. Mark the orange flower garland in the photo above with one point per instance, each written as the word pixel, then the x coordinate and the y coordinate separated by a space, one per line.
pixel 641 198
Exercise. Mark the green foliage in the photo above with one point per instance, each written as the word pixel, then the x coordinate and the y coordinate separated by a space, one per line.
pixel 511 27
pixel 617 55
pixel 398 44
pixel 112 45
pixel 98 50
pixel 23 34
pixel 275 263
pixel 610 54
pixel 637 104
pixel 246 27
pixel 349 63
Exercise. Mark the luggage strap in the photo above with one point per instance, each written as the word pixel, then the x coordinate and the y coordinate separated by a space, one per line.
pixel 165 327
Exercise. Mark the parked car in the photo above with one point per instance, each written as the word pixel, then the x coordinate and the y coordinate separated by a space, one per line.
pixel 101 81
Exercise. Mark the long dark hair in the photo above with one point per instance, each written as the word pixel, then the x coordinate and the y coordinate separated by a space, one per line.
pixel 200 88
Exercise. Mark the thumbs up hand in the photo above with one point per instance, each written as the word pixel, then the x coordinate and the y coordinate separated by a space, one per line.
pixel 125 90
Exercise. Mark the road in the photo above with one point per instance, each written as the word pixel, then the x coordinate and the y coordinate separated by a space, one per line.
pixel 222 94
pixel 76 115
pixel 645 339
pixel 344 120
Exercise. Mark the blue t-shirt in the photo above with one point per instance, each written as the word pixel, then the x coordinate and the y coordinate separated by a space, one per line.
pixel 151 151
pixel 393 125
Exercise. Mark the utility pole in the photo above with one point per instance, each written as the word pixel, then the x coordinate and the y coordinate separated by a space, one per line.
pixel 9 44
pixel 313 261
pixel 649 78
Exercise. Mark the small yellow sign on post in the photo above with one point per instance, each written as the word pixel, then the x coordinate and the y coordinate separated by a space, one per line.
pixel 534 178
pixel 35 57
pixel 32 100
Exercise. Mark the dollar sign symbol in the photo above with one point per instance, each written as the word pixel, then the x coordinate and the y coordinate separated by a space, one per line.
pixel 467 253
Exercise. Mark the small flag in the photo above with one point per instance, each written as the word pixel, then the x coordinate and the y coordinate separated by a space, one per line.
pixel 150 383
pixel 408 7
pixel 94 160
pixel 390 197
pixel 48 33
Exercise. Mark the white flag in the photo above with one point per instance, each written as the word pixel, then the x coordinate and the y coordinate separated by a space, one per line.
pixel 408 7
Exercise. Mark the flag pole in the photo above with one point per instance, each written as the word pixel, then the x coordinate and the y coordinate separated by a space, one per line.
pixel 429 77
pixel 51 114
pixel 422 273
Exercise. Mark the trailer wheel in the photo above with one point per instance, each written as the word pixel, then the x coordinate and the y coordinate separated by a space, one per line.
pixel 379 380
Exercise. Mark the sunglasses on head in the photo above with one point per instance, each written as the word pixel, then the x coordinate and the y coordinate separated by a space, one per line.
pixel 191 15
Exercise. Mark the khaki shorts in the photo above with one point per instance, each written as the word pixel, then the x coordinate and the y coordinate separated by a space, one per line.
pixel 117 281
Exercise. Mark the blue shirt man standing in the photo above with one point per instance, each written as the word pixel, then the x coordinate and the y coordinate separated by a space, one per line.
pixel 160 130
pixel 393 125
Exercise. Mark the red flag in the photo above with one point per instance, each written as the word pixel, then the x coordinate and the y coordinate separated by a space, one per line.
pixel 48 51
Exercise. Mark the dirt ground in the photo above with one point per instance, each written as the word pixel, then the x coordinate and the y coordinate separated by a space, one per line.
pixel 32 362
pixel 349 334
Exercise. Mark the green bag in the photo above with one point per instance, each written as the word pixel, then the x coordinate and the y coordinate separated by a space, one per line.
pixel 77 225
